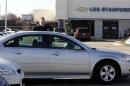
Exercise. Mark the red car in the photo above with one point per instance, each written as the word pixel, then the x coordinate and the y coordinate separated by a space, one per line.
pixel 82 33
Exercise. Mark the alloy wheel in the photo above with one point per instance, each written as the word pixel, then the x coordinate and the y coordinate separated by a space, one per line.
pixel 107 73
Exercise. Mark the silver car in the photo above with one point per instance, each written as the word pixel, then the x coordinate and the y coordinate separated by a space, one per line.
pixel 10 73
pixel 59 56
pixel 1 34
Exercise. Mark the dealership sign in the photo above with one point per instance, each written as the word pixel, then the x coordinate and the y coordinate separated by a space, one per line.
pixel 109 9
pixel 82 9
pixel 103 9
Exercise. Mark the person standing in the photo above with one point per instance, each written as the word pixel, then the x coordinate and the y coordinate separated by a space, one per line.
pixel 36 26
pixel 43 26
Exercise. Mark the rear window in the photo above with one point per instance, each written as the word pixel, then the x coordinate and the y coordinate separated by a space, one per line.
pixel 83 30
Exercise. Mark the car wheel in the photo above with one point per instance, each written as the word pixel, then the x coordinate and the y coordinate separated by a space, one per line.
pixel 106 73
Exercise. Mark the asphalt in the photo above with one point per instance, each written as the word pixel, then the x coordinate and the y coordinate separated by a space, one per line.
pixel 120 82
pixel 110 45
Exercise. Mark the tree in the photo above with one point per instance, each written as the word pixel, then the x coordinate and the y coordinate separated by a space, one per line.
pixel 10 16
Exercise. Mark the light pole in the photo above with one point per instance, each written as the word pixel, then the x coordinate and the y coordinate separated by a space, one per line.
pixel 5 15
pixel 0 10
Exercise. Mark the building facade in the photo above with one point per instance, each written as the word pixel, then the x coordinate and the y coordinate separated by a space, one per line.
pixel 27 17
pixel 107 19
pixel 48 14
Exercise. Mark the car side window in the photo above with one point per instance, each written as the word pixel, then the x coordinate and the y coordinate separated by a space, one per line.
pixel 11 43
pixel 31 41
pixel 57 42
pixel 72 46
pixel 26 41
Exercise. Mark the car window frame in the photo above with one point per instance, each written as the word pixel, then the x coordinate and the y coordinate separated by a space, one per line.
pixel 17 38
pixel 46 36
pixel 4 44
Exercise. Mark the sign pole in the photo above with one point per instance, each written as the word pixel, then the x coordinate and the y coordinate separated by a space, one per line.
pixel 5 15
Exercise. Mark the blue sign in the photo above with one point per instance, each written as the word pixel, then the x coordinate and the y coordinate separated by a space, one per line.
pixel 108 9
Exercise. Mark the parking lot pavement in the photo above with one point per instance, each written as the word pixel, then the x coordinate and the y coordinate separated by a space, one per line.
pixel 110 45
pixel 121 82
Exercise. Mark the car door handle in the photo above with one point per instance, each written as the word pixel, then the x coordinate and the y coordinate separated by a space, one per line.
pixel 56 54
pixel 18 53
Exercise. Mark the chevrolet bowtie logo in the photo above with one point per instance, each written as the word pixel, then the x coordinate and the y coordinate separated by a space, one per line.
pixel 82 9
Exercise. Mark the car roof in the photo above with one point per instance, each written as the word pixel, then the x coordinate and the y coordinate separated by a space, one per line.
pixel 30 33
pixel 34 32
pixel 37 32
pixel 2 40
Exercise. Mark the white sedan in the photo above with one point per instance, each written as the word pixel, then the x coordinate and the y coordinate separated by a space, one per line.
pixel 59 56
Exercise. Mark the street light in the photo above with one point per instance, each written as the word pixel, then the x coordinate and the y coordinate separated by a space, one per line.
pixel 5 15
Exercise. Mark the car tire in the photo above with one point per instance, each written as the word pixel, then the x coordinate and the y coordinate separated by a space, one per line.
pixel 106 73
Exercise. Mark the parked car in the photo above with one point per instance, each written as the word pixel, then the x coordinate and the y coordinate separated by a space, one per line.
pixel 82 33
pixel 127 41
pixel 58 56
pixel 127 33
pixel 2 34
pixel 10 72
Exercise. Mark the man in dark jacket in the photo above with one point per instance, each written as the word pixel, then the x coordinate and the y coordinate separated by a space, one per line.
pixel 36 26
pixel 44 26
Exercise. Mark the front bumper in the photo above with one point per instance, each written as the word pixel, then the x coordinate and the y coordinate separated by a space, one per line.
pixel 14 79
pixel 125 68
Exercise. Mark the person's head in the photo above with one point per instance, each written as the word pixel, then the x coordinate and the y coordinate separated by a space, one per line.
pixel 43 22
pixel 37 23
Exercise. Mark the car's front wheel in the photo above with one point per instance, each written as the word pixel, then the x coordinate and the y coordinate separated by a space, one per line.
pixel 106 73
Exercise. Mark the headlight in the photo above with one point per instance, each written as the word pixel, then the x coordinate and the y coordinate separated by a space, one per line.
pixel 6 70
pixel 126 58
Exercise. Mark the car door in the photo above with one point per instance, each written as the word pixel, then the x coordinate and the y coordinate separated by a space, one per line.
pixel 30 52
pixel 67 56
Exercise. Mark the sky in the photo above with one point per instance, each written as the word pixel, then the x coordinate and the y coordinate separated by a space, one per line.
pixel 25 6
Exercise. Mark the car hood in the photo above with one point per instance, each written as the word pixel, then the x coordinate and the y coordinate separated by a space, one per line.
pixel 109 53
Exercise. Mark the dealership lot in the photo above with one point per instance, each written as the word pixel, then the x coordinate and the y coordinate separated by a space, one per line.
pixel 109 44
pixel 115 45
